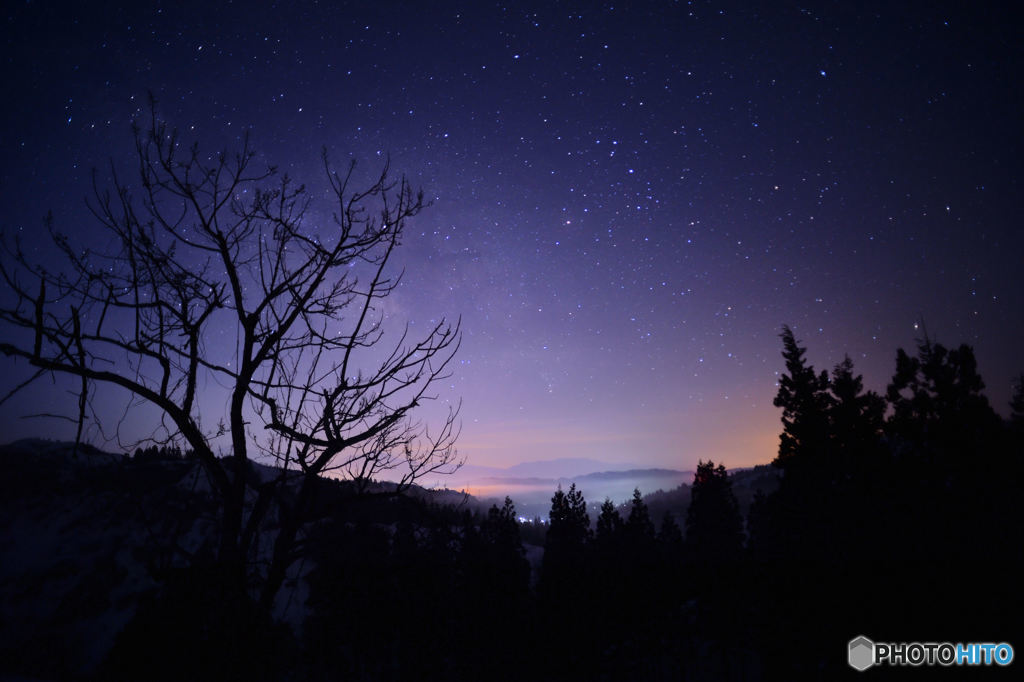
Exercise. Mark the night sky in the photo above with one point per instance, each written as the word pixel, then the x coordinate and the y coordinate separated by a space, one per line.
pixel 629 200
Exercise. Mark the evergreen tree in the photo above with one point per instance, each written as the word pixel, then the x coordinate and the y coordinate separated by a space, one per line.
pixel 714 527
pixel 609 524
pixel 502 564
pixel 578 517
pixel 938 409
pixel 639 528
pixel 609 569
pixel 501 528
pixel 569 524
pixel 559 513
pixel 804 400
pixel 855 421
pixel 856 414
pixel 568 531
pixel 566 580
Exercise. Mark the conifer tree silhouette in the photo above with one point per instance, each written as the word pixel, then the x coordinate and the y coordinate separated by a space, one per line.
pixel 714 528
pixel 938 409
pixel 855 424
pixel 609 524
pixel 505 558
pixel 639 522
pixel 568 532
pixel 804 401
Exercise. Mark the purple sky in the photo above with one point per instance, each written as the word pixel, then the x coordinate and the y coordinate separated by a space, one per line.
pixel 629 199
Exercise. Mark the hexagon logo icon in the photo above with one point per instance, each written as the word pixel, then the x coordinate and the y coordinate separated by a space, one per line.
pixel 861 653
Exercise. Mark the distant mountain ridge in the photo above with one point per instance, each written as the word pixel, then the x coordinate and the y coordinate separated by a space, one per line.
pixel 585 478
pixel 531 484
pixel 563 467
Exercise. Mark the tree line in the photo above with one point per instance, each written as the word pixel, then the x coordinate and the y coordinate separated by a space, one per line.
pixel 894 517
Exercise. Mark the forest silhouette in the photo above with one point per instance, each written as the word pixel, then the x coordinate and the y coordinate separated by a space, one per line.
pixel 894 516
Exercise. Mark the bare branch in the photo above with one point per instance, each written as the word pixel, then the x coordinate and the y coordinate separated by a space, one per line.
pixel 205 248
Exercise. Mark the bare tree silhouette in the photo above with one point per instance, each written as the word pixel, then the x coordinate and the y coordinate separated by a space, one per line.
pixel 210 268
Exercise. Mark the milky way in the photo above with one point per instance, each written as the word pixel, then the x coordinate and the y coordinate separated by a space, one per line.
pixel 628 200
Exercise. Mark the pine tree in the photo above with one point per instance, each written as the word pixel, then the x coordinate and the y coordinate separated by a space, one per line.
pixel 639 527
pixel 568 584
pixel 804 401
pixel 578 517
pixel 569 523
pixel 503 559
pixel 714 527
pixel 855 421
pixel 938 409
pixel 568 532
pixel 609 524
pixel 501 528
pixel 558 516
